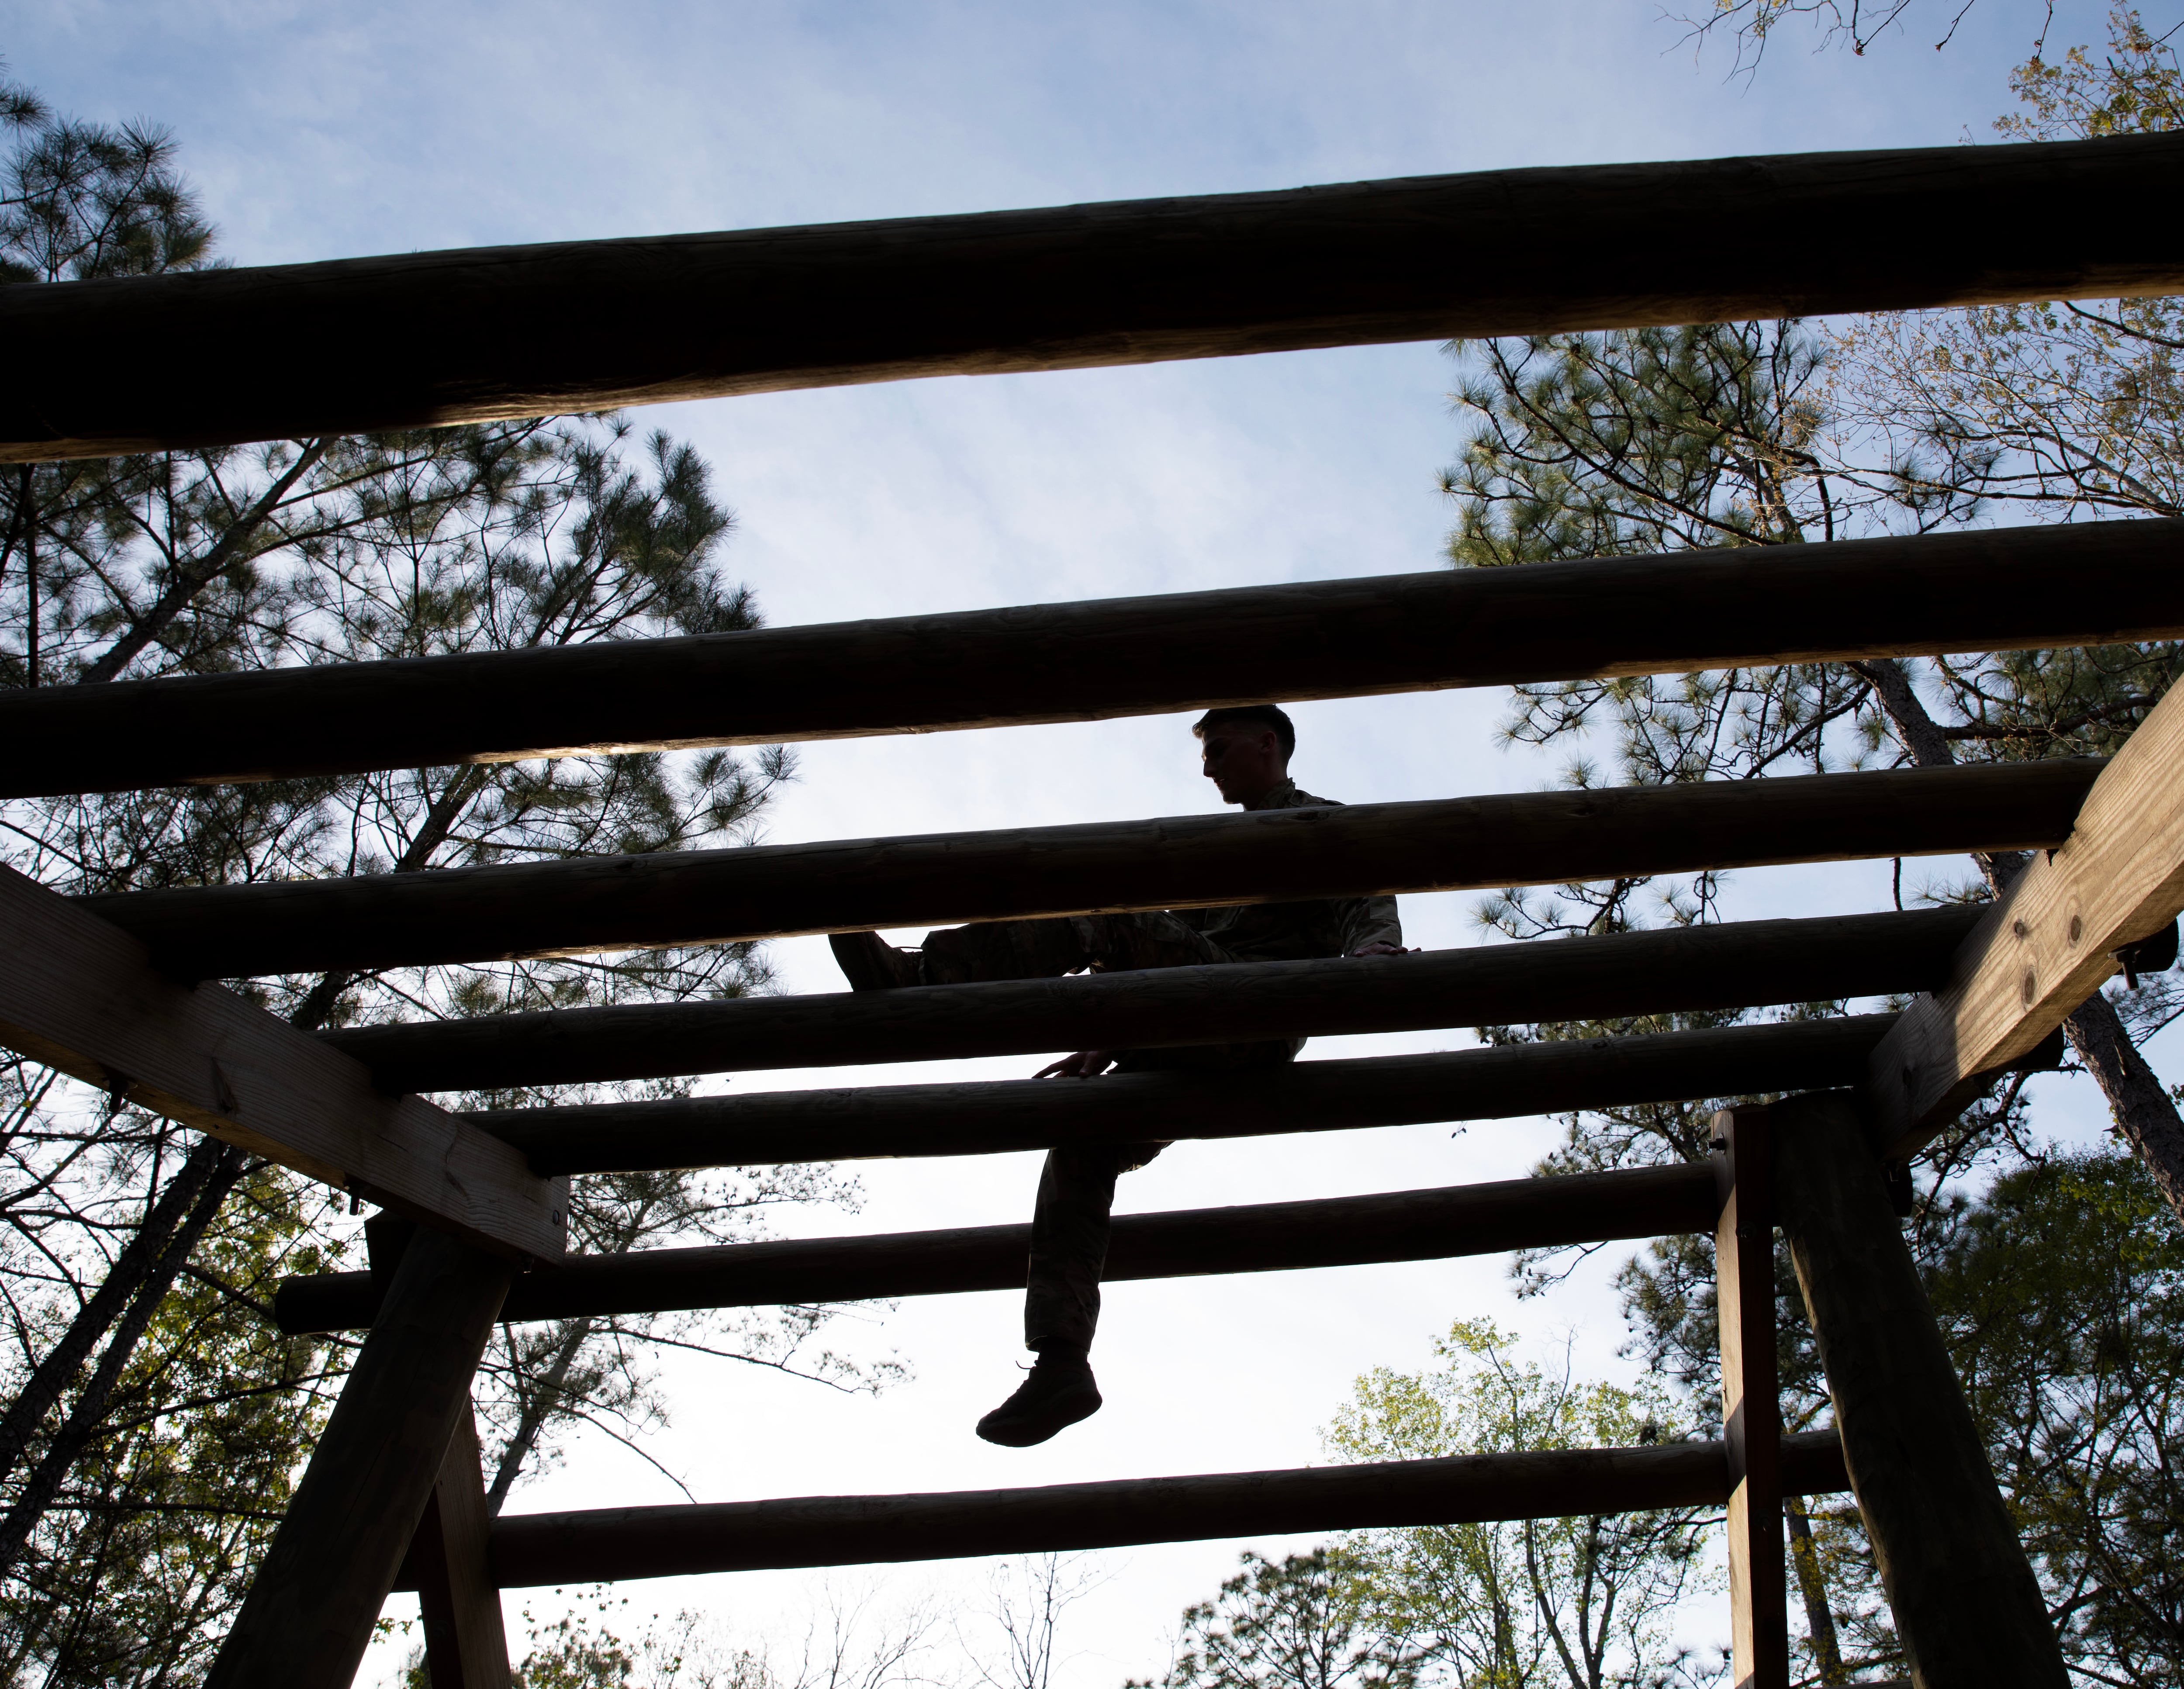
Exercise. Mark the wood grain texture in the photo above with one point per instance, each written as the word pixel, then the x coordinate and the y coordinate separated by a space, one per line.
pixel 80 995
pixel 530 1549
pixel 1729 965
pixel 999 1116
pixel 593 904
pixel 1343 1231
pixel 311 1608
pixel 1968 1610
pixel 1984 591
pixel 450 1565
pixel 108 366
pixel 1752 1414
pixel 2048 943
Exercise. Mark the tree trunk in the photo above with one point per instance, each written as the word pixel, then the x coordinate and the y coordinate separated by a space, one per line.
pixel 1812 1584
pixel 2142 1110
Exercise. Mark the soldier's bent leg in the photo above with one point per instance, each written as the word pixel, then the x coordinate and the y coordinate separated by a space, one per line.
pixel 1004 950
pixel 1069 1228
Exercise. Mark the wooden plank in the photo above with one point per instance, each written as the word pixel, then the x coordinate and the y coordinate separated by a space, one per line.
pixel 1342 1231
pixel 310 1610
pixel 2048 942
pixel 466 1641
pixel 605 903
pixel 1727 965
pixel 1005 1116
pixel 531 1549
pixel 1969 1611
pixel 79 993
pixel 108 366
pixel 1985 590
pixel 1752 1414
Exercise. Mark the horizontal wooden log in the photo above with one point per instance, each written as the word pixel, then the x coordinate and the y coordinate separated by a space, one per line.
pixel 1343 1231
pixel 107 366
pixel 81 996
pixel 592 904
pixel 993 1118
pixel 1979 591
pixel 2048 942
pixel 1731 966
pixel 609 1544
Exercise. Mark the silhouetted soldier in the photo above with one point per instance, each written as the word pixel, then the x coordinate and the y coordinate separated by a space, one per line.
pixel 1245 752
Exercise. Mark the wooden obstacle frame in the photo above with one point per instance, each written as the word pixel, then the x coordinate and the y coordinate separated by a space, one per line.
pixel 119 990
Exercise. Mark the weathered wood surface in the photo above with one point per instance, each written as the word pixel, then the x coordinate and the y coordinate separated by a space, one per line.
pixel 1730 966
pixel 530 1549
pixel 606 903
pixel 109 366
pixel 1342 1231
pixel 996 1116
pixel 2049 942
pixel 1751 1415
pixel 1968 1610
pixel 450 1566
pixel 79 993
pixel 310 1610
pixel 1987 590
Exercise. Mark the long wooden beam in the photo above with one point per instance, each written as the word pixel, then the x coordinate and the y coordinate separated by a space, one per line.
pixel 997 1117
pixel 101 367
pixel 78 993
pixel 591 903
pixel 1731 966
pixel 1270 1237
pixel 613 1543
pixel 2048 943
pixel 1981 591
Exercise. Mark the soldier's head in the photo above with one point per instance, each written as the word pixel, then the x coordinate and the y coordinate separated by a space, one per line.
pixel 1246 749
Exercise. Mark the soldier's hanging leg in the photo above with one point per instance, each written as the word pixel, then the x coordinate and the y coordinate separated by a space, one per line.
pixel 1069 1231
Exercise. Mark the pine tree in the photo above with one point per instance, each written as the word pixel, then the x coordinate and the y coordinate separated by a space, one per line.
pixel 138 1261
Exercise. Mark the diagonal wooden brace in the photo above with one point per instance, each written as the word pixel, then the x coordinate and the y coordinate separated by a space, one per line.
pixel 79 993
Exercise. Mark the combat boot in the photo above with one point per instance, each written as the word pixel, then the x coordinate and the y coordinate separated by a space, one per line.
pixel 1056 1393
pixel 870 963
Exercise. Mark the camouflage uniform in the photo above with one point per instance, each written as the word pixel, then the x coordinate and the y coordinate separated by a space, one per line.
pixel 1077 1188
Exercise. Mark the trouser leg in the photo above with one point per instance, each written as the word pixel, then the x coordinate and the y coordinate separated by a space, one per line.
pixel 1044 949
pixel 1069 1230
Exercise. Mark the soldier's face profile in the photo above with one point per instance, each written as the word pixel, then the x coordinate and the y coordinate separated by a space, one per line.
pixel 1242 764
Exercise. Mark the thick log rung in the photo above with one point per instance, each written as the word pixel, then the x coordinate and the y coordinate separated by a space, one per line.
pixel 1735 965
pixel 1983 591
pixel 108 366
pixel 613 1543
pixel 998 1117
pixel 713 896
pixel 1343 1231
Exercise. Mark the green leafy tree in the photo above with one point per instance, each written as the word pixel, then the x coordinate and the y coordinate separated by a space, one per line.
pixel 1294 1623
pixel 1574 1604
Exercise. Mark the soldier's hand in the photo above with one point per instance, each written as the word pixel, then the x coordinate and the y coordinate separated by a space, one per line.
pixel 1382 948
pixel 1085 1064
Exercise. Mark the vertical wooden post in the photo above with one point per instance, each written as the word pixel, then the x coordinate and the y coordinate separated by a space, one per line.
pixel 1968 1610
pixel 465 1645
pixel 309 1613
pixel 1751 1414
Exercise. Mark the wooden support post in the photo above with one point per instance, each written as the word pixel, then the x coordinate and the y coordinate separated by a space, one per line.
pixel 1751 1415
pixel 1968 1610
pixel 466 1644
pixel 309 1614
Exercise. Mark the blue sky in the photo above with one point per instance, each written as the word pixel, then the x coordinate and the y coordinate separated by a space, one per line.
pixel 316 131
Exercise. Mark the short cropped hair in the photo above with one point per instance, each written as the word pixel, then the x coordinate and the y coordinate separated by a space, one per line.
pixel 1259 715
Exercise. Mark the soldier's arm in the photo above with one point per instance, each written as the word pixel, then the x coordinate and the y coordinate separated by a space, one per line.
pixel 1371 927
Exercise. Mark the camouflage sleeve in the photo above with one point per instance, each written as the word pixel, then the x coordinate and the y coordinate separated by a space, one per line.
pixel 1369 921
